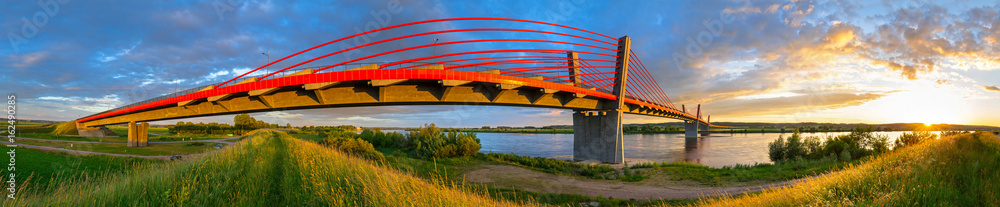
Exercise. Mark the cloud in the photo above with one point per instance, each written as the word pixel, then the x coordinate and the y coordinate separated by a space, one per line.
pixel 363 119
pixel 789 105
pixel 992 88
pixel 140 50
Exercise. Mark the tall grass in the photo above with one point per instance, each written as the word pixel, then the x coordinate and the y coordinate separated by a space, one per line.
pixel 958 170
pixel 269 169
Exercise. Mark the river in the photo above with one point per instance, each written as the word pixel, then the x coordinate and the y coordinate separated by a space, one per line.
pixel 716 150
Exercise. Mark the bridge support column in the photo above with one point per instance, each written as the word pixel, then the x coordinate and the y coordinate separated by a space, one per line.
pixel 703 129
pixel 597 135
pixel 138 134
pixel 691 129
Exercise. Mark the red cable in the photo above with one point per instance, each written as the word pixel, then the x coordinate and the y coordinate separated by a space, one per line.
pixel 403 25
pixel 659 90
pixel 593 81
pixel 421 34
pixel 455 42
pixel 645 80
pixel 500 62
pixel 492 51
pixel 471 59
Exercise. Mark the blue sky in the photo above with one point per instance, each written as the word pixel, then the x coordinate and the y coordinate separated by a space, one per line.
pixel 775 61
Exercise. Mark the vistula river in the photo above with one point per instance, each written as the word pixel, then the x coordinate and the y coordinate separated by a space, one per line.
pixel 716 150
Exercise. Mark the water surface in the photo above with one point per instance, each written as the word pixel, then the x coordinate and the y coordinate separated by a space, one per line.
pixel 716 150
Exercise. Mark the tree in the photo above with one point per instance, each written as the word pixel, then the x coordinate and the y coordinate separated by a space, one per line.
pixel 776 149
pixel 794 147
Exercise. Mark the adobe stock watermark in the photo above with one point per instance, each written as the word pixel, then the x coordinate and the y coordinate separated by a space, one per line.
pixel 11 132
pixel 380 19
pixel 29 28
pixel 713 28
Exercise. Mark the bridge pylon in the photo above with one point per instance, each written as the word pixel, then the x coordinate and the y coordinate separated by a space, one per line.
pixel 703 129
pixel 597 135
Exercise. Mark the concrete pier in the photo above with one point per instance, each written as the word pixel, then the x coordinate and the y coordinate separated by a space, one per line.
pixel 597 135
pixel 691 129
pixel 703 129
pixel 138 134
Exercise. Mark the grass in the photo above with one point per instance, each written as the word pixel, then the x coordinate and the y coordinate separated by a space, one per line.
pixel 123 130
pixel 121 148
pixel 112 139
pixel 269 169
pixel 955 170
pixel 45 167
pixel 310 137
pixel 782 171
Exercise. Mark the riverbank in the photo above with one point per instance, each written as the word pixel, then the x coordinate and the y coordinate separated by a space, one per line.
pixel 957 170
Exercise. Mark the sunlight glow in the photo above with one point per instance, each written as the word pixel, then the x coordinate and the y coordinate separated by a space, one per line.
pixel 928 105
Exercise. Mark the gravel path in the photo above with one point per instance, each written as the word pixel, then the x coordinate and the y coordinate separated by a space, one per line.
pixel 506 176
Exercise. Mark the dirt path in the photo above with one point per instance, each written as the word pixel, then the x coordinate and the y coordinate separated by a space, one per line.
pixel 506 176
pixel 223 141
pixel 78 152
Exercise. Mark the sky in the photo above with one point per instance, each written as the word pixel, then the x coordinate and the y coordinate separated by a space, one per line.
pixel 748 61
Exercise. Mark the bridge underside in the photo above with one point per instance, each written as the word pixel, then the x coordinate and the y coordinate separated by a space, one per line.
pixel 379 88
pixel 375 92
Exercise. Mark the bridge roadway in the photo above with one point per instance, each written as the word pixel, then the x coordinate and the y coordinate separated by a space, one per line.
pixel 362 87
pixel 597 116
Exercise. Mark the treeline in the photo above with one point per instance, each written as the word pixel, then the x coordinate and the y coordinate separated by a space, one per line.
pixel 243 123
pixel 202 128
pixel 651 129
pixel 859 143
pixel 426 141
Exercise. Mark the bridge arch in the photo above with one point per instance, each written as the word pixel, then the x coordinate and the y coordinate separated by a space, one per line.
pixel 598 87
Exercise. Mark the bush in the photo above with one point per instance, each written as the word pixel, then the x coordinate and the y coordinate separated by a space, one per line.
pixel 794 147
pixel 354 146
pixel 430 141
pixel 845 155
pixel 776 149
pixel 910 139
pixel 781 150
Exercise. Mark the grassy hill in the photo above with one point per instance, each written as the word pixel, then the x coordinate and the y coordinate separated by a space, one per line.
pixel 269 169
pixel 958 170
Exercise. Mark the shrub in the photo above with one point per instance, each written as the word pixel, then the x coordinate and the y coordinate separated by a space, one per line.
pixel 398 139
pixel 430 141
pixel 814 147
pixel 794 147
pixel 776 149
pixel 354 146
pixel 468 146
pixel 845 155
pixel 781 150
pixel 910 139
pixel 878 144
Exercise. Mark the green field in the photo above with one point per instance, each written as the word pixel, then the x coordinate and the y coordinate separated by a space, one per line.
pixel 121 148
pixel 123 130
pixel 44 167
pixel 270 169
